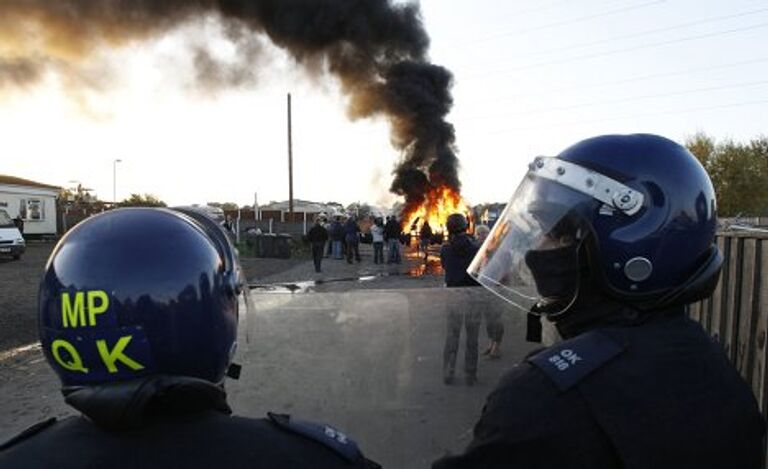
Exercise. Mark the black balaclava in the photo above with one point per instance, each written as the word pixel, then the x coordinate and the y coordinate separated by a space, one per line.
pixel 592 308
pixel 555 272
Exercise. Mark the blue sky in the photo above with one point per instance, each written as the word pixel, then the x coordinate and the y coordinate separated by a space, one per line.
pixel 534 77
pixel 531 77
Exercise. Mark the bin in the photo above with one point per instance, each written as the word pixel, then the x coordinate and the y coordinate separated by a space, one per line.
pixel 282 246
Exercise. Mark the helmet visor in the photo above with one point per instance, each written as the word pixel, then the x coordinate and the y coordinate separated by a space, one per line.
pixel 530 258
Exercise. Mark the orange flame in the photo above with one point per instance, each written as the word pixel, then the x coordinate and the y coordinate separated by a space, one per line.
pixel 440 202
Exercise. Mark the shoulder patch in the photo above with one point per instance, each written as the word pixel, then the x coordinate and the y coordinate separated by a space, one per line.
pixel 326 435
pixel 28 433
pixel 570 361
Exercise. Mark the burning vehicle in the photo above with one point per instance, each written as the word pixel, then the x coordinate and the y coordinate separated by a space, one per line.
pixel 438 204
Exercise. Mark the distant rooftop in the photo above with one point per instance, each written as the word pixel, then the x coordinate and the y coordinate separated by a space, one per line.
pixel 14 181
pixel 298 206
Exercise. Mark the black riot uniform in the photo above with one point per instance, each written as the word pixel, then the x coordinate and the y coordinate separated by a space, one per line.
pixel 623 398
pixel 610 240
pixel 171 422
pixel 138 315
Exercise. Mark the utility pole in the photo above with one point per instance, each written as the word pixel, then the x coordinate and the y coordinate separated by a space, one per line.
pixel 256 216
pixel 290 163
pixel 114 180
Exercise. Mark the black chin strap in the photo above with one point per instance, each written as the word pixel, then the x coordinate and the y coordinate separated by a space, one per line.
pixel 533 329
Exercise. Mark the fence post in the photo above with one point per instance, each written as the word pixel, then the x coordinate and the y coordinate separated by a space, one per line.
pixel 237 225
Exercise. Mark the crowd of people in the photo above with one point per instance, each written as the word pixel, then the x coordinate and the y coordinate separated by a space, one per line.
pixel 339 238
pixel 344 236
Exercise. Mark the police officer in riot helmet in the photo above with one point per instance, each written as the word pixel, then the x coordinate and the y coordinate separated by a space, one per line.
pixel 138 315
pixel 610 240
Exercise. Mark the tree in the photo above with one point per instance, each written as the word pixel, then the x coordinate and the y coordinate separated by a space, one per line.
pixel 78 195
pixel 231 206
pixel 739 173
pixel 146 200
pixel 360 210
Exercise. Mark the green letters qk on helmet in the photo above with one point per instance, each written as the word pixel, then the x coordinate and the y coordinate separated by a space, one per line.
pixel 140 291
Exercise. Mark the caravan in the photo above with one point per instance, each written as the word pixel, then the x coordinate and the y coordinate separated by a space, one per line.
pixel 11 242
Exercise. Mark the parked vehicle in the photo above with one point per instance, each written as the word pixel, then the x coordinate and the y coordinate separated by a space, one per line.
pixel 11 241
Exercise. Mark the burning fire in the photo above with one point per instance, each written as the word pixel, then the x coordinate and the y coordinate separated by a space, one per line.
pixel 440 202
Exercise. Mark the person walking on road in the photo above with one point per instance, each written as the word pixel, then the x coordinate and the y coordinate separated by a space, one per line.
pixel 455 257
pixel 327 225
pixel 317 237
pixel 425 237
pixel 392 233
pixel 352 238
pixel 337 237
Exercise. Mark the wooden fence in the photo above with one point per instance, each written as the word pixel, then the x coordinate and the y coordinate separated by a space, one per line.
pixel 737 312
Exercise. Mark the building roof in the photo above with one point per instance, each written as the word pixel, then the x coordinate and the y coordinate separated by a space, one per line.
pixel 15 181
pixel 298 206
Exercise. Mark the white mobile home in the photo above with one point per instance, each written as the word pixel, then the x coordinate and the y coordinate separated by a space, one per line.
pixel 32 202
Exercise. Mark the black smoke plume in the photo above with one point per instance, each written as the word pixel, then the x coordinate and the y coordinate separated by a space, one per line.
pixel 376 48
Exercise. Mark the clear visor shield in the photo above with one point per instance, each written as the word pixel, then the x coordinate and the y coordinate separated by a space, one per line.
pixel 246 304
pixel 530 258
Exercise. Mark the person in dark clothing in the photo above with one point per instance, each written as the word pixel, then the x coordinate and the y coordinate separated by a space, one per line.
pixel 317 237
pixel 352 238
pixel 610 240
pixel 228 225
pixel 425 237
pixel 455 258
pixel 392 233
pixel 138 312
pixel 337 237
pixel 19 222
pixel 327 225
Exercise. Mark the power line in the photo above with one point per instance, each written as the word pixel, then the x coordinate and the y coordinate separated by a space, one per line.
pixel 623 100
pixel 563 23
pixel 525 11
pixel 626 49
pixel 539 8
pixel 633 116
pixel 626 80
pixel 647 33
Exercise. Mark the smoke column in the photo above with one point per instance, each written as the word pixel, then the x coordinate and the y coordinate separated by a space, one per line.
pixel 376 48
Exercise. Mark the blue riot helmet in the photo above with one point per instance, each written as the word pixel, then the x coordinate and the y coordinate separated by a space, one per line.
pixel 140 291
pixel 634 213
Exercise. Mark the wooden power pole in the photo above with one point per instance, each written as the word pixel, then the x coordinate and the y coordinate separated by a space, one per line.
pixel 290 163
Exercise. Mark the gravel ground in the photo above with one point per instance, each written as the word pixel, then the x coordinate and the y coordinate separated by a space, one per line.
pixel 18 295
pixel 19 282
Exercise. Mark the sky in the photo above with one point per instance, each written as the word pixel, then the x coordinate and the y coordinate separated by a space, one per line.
pixel 531 77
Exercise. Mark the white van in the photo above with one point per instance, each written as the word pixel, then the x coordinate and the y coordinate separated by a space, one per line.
pixel 11 242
